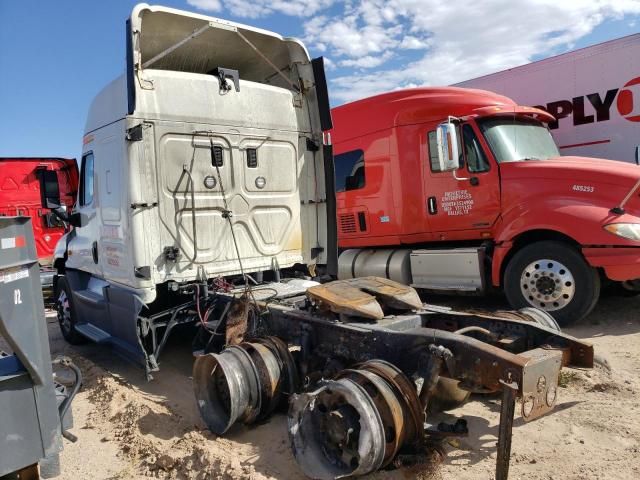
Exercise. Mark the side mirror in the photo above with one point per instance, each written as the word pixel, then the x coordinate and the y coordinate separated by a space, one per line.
pixel 49 189
pixel 448 154
pixel 75 219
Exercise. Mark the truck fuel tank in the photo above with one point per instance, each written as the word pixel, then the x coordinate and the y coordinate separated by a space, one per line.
pixel 393 264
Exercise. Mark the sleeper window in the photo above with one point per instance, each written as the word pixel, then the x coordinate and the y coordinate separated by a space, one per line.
pixel 350 173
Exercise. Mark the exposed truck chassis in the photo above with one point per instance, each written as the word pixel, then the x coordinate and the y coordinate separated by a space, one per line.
pixel 359 390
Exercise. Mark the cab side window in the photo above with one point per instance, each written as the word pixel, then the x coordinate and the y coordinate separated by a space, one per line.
pixel 476 159
pixel 350 174
pixel 86 179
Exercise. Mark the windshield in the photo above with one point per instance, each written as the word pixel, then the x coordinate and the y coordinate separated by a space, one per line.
pixel 513 139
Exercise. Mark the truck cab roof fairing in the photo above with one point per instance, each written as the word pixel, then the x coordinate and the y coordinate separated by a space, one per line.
pixel 169 39
pixel 410 106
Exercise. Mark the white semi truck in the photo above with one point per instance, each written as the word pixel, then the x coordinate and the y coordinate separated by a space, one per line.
pixel 593 92
pixel 203 160
pixel 207 202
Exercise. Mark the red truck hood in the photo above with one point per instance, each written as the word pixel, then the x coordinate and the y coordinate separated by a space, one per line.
pixel 580 170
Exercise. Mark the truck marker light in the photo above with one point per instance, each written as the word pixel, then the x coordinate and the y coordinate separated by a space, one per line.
pixel 209 181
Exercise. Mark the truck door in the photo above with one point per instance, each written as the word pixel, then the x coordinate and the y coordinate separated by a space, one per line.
pixel 467 206
pixel 83 248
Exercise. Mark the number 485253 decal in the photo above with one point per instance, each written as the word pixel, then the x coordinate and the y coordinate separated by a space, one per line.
pixel 583 188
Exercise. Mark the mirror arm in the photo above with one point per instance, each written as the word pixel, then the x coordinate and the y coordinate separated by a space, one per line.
pixel 62 215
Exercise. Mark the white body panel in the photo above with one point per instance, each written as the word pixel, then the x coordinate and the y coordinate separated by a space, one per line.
pixel 574 78
pixel 143 188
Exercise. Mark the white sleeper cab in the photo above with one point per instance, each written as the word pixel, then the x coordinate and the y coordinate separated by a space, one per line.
pixel 203 161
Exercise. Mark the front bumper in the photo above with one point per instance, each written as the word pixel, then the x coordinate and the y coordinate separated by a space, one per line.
pixel 618 263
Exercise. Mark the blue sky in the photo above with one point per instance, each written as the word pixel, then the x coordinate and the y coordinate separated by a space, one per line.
pixel 55 55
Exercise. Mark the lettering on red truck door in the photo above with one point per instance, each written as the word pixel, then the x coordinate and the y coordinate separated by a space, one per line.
pixel 458 202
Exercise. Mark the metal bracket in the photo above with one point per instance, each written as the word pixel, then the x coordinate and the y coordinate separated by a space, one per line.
pixel 134 134
pixel 505 429
pixel 171 253
pixel 135 206
pixel 223 74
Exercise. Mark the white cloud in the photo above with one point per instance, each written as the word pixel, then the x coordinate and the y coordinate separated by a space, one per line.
pixel 410 42
pixel 368 61
pixel 262 8
pixel 449 41
pixel 350 36
pixel 211 5
pixel 461 40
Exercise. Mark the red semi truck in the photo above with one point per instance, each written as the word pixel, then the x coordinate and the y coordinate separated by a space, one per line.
pixel 453 189
pixel 21 187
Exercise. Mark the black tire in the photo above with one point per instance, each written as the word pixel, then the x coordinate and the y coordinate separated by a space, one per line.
pixel 583 287
pixel 618 289
pixel 67 317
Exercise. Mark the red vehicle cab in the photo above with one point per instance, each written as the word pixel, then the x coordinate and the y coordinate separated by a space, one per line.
pixel 21 195
pixel 508 211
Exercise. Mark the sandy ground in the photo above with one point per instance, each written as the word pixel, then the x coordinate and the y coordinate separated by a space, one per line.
pixel 130 428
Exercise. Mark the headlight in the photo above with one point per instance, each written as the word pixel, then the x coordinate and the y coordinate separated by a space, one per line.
pixel 626 230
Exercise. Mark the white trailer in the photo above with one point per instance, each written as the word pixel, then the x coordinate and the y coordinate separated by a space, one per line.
pixel 593 92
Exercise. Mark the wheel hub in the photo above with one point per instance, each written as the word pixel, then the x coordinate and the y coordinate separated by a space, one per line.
pixel 547 284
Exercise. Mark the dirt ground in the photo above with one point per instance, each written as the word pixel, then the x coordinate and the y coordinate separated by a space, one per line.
pixel 130 428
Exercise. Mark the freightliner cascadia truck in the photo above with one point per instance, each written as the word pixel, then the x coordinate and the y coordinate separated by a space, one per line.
pixel 21 188
pixel 207 204
pixel 593 92
pixel 453 189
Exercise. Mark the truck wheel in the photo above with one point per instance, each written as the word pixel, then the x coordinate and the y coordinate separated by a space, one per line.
pixel 67 317
pixel 541 317
pixel 553 277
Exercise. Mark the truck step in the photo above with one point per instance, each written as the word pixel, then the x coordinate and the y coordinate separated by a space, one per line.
pixel 93 333
pixel 90 297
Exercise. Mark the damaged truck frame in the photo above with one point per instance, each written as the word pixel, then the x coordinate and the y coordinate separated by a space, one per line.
pixel 207 201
